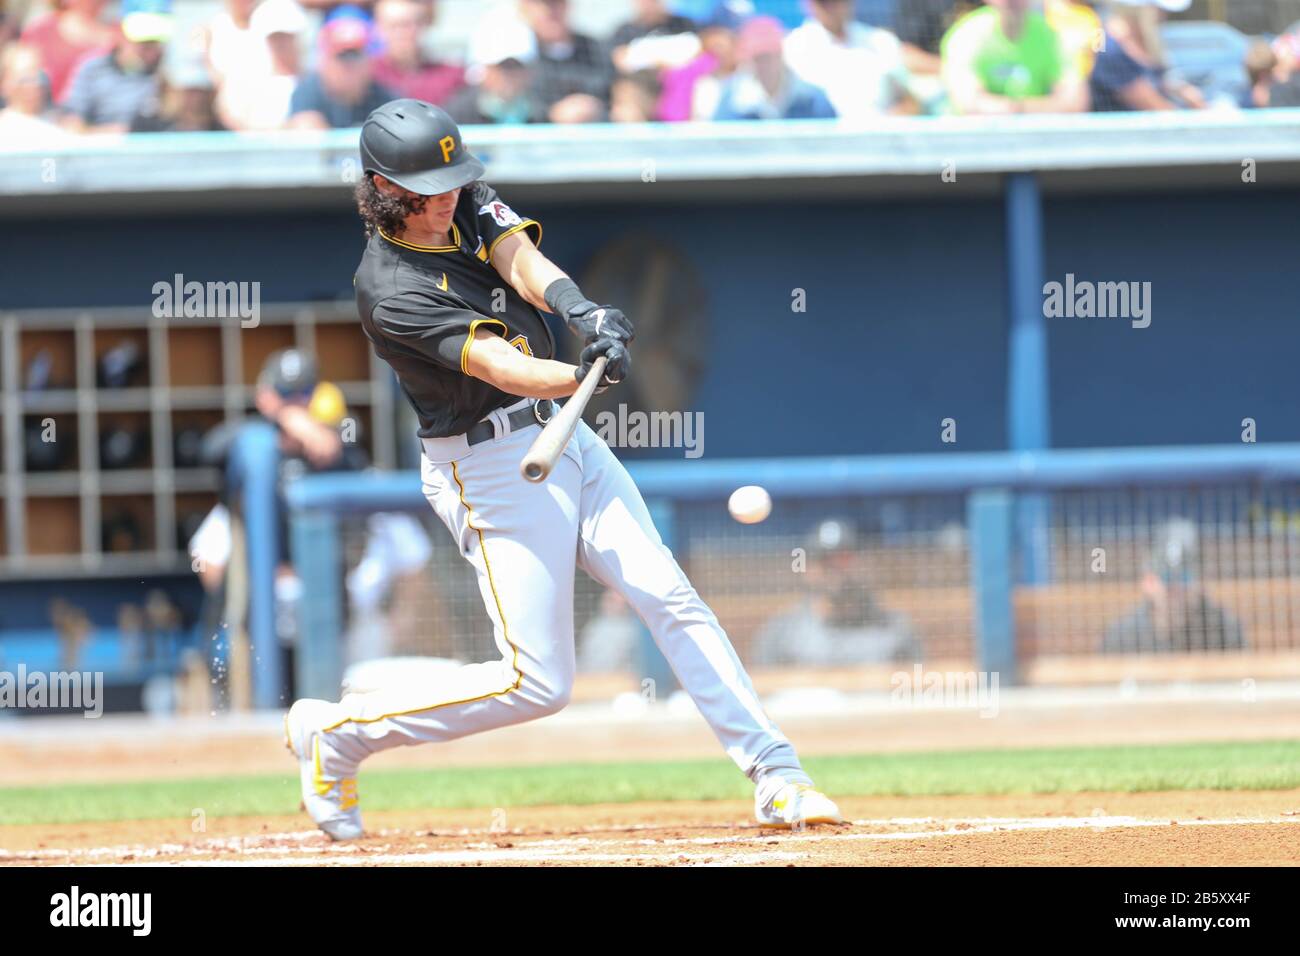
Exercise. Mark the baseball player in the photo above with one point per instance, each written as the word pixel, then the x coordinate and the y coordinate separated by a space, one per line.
pixel 450 291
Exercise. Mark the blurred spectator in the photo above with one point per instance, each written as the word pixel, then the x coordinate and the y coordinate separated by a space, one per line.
pixel 634 97
pixel 859 66
pixel 1287 48
pixel 1080 30
pixel 1262 67
pixel 185 103
pixel 1175 614
pixel 10 19
pixel 653 38
pixel 838 621
pixel 108 92
pixel 693 91
pixel 1130 72
pixel 499 77
pixel 330 6
pixel 763 87
pixel 25 120
pixel 403 66
pixel 572 74
pixel 65 36
pixel 1005 58
pixel 1284 91
pixel 342 92
pixel 230 44
pixel 258 98
pixel 918 24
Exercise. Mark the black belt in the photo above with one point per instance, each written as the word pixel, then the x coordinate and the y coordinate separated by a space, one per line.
pixel 538 413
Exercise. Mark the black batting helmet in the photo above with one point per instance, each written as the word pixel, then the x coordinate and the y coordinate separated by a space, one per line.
pixel 418 146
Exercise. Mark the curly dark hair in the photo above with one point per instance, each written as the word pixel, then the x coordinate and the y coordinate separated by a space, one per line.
pixel 380 210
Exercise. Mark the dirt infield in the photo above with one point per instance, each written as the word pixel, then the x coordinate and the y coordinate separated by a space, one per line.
pixel 1187 827
pixel 1191 828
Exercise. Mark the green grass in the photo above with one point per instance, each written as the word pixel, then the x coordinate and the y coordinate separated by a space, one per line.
pixel 1262 765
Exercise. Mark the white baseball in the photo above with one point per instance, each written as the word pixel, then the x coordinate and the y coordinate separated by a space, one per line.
pixel 750 504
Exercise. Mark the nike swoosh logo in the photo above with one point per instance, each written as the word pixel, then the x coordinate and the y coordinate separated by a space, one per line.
pixel 600 318
pixel 443 285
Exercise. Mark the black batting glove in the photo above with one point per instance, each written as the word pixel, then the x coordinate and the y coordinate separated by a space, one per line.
pixel 600 322
pixel 617 360
pixel 585 319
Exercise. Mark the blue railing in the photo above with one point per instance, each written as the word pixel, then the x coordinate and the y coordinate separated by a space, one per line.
pixel 994 485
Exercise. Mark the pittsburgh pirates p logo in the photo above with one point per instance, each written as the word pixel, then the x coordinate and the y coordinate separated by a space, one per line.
pixel 448 146
pixel 521 343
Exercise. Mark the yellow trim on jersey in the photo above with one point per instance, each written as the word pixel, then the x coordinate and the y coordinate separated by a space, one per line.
pixel 505 632
pixel 469 340
pixel 455 238
pixel 481 252
pixel 511 231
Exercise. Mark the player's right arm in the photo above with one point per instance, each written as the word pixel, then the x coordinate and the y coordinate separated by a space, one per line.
pixel 457 339
pixel 490 358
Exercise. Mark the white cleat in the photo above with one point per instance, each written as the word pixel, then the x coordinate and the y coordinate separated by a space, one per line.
pixel 329 786
pixel 796 805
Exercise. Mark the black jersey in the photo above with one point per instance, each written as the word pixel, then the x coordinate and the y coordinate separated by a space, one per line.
pixel 420 307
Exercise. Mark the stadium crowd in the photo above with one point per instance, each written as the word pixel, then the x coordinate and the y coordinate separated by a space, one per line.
pixel 78 66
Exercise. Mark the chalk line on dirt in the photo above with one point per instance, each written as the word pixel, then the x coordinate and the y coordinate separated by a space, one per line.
pixel 308 847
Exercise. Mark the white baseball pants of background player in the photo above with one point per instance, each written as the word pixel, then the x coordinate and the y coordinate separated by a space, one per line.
pixel 525 540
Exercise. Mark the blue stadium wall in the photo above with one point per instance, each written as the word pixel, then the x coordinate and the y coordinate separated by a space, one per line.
pixel 906 307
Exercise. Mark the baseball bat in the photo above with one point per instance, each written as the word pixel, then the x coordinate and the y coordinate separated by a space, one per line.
pixel 549 445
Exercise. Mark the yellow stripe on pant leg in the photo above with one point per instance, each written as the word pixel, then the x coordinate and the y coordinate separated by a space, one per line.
pixel 514 664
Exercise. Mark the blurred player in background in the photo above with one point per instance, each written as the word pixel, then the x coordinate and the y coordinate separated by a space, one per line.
pixel 308 415
pixel 1176 614
pixel 838 621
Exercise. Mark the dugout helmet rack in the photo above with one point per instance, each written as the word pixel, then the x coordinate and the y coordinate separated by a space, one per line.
pixel 67 511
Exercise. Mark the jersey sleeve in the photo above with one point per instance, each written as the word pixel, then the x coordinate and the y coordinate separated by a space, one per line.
pixel 494 220
pixel 438 332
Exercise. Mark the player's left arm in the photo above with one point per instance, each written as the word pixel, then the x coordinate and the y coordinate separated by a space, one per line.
pixel 518 260
pixel 604 330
